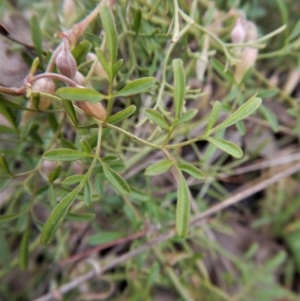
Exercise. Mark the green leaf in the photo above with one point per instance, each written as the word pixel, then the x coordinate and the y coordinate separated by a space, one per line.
pixel 70 111
pixel 295 32
pixel 80 51
pixel 9 116
pixel 85 146
pixel 191 170
pixel 226 146
pixel 136 87
pixel 131 215
pixel 4 183
pixel 157 118
pixel 158 168
pixel 111 35
pixel 88 195
pixel 36 100
pixel 80 94
pixel 242 112
pixel 9 104
pixel 7 130
pixel 110 159
pixel 53 122
pixel 72 179
pixel 269 116
pixel 183 207
pixel 5 253
pixel 54 174
pixel 179 86
pixel 103 237
pixel 9 217
pixel 214 115
pixel 241 127
pixel 34 65
pixel 115 179
pixel 153 275
pixel 64 154
pixel 139 195
pixel 102 60
pixel 67 144
pixel 118 117
pixel 52 197
pixel 190 114
pixel 36 36
pixel 86 217
pixel 118 65
pixel 23 252
pixel 266 93
pixel 4 165
pixel 220 69
pixel 137 20
pixel 34 134
pixel 57 215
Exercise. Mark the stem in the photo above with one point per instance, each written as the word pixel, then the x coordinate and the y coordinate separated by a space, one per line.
pixel 164 68
pixel 142 141
pixel 13 90
pixel 52 59
pixel 60 77
pixel 96 156
pixel 169 135
pixel 175 36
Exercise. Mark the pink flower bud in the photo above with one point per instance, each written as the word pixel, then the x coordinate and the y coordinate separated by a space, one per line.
pixel 78 78
pixel 95 110
pixel 251 31
pixel 98 70
pixel 68 9
pixel 48 166
pixel 248 59
pixel 44 85
pixel 238 33
pixel 65 62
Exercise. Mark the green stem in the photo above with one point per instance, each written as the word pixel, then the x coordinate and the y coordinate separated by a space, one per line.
pixel 164 68
pixel 96 156
pixel 175 35
pixel 142 141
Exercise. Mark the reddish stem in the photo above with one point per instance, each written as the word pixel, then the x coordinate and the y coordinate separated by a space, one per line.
pixel 116 242
pixel 63 78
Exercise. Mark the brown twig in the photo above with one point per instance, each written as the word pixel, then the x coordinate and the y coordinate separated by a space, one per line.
pixel 91 251
pixel 244 193
pixel 263 164
pixel 281 128
pixel 13 90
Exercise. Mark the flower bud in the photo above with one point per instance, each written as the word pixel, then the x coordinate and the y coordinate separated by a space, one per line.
pixel 248 59
pixel 292 81
pixel 48 167
pixel 44 85
pixel 98 70
pixel 201 66
pixel 65 62
pixel 68 9
pixel 78 78
pixel 238 33
pixel 251 31
pixel 95 110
